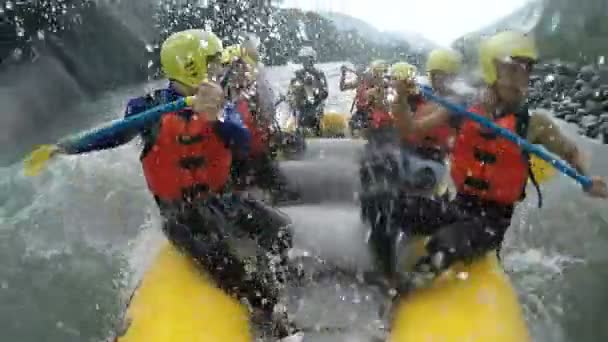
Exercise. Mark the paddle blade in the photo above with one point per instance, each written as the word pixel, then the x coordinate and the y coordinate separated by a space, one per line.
pixel 542 170
pixel 38 159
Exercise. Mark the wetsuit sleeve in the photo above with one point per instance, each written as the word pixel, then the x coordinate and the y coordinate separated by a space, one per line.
pixel 71 145
pixel 455 120
pixel 324 94
pixel 292 95
pixel 235 136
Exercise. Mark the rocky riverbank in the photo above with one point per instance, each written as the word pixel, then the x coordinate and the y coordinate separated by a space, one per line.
pixel 577 95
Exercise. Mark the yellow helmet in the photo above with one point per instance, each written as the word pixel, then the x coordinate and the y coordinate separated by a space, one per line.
pixel 378 65
pixel 403 71
pixel 184 56
pixel 237 51
pixel 501 46
pixel 445 60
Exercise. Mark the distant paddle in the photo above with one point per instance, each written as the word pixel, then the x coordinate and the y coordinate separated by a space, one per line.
pixel 39 158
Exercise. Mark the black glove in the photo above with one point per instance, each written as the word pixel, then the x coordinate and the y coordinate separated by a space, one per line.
pixel 462 241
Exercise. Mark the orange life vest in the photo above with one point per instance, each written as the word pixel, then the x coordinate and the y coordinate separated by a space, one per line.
pixel 187 159
pixel 259 136
pixel 488 166
pixel 437 138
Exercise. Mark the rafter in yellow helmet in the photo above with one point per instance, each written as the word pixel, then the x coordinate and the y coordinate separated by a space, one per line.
pixel 403 71
pixel 504 45
pixel 445 60
pixel 184 56
pixel 237 51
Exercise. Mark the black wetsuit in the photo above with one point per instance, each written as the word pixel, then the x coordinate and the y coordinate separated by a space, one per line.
pixel 310 113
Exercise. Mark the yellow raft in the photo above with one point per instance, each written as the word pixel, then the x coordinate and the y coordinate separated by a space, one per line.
pixel 333 125
pixel 175 302
pixel 472 303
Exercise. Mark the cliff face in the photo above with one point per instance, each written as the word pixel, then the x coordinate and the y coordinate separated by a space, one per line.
pixel 56 54
pixel 523 19
pixel 97 44
pixel 574 31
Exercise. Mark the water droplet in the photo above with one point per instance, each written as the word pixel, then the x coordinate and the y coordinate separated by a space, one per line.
pixel 41 34
pixel 20 31
pixel 9 5
pixel 17 53
pixel 149 48
pixel 462 275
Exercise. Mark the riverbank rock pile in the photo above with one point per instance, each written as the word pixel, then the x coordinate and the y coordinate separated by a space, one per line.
pixel 578 95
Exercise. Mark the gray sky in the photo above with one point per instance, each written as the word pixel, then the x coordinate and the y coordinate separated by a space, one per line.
pixel 441 21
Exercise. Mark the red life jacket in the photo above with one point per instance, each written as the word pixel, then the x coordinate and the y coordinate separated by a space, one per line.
pixel 488 166
pixel 437 138
pixel 361 100
pixel 187 159
pixel 380 118
pixel 259 136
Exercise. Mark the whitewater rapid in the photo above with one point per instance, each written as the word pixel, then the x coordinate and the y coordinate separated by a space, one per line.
pixel 75 240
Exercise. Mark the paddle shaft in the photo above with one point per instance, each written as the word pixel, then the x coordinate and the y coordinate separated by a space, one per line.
pixel 135 122
pixel 540 152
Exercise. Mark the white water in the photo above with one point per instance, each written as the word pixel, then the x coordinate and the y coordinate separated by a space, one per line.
pixel 74 240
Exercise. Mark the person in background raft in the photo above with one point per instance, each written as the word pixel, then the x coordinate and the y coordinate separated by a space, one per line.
pixel 247 107
pixel 418 168
pixel 308 92
pixel 369 96
pixel 186 159
pixel 489 172
pixel 425 149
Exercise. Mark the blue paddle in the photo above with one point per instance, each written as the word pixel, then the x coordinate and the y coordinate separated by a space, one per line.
pixel 539 151
pixel 38 159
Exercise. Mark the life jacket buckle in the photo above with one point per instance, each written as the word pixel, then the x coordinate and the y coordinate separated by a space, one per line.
pixel 191 163
pixel 477 183
pixel 189 139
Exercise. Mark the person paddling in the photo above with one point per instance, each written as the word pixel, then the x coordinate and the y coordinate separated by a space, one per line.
pixel 187 159
pixel 490 172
